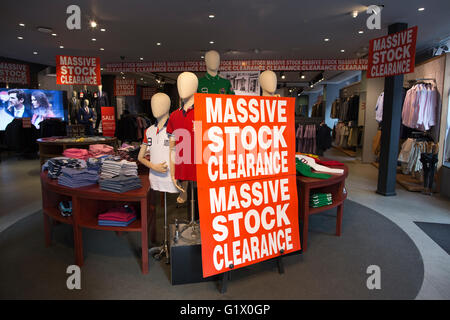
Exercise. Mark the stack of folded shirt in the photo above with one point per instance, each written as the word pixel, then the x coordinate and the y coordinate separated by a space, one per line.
pixel 77 178
pixel 98 150
pixel 55 165
pixel 317 200
pixel 94 164
pixel 117 217
pixel 128 152
pixel 112 169
pixel 76 153
pixel 120 184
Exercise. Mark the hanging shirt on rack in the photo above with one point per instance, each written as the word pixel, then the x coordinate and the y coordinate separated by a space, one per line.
pixel 379 108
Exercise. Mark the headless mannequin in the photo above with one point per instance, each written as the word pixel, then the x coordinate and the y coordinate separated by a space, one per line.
pixel 268 83
pixel 160 108
pixel 74 105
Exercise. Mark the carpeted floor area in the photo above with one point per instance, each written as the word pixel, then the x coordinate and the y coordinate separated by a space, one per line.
pixel 332 268
pixel 439 232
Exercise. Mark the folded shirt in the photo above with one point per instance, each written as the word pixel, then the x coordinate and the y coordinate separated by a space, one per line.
pixel 115 223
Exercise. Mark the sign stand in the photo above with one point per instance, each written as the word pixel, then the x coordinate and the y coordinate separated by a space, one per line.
pixel 226 276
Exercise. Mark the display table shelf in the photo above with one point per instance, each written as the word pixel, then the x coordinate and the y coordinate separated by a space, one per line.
pixel 88 202
pixel 334 185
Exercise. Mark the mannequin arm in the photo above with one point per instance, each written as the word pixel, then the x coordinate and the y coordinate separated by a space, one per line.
pixel 172 143
pixel 159 167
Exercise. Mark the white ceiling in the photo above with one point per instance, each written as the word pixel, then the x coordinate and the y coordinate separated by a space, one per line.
pixel 277 29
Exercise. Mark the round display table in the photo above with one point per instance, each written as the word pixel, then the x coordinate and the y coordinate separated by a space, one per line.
pixel 334 185
pixel 52 147
pixel 88 202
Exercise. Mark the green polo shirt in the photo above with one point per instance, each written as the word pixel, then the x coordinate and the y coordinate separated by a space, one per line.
pixel 217 85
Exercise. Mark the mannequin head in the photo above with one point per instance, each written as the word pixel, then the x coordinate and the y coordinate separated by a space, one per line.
pixel 86 102
pixel 100 89
pixel 268 82
pixel 187 84
pixel 160 105
pixel 74 94
pixel 212 61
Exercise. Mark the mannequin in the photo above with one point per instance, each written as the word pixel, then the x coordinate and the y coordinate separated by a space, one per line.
pixel 156 141
pixel 101 101
pixel 180 128
pixel 86 117
pixel 211 82
pixel 74 106
pixel 268 83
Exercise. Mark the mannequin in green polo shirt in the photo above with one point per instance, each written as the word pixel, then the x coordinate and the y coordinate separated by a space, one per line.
pixel 211 82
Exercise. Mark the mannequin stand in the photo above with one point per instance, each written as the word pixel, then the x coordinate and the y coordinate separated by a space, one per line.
pixel 159 252
pixel 194 234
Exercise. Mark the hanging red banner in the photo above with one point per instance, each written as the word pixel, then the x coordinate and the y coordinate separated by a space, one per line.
pixel 16 73
pixel 78 70
pixel 108 121
pixel 124 87
pixel 393 54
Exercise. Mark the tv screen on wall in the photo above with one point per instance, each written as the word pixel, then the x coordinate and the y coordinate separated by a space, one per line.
pixel 37 105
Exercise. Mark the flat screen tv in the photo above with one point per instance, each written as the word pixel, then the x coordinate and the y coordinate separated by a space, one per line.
pixel 31 103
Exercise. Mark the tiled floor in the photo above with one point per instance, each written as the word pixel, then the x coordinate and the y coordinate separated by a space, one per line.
pixel 20 195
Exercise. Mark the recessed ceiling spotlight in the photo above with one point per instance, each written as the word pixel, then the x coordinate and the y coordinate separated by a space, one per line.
pixel 158 43
pixel 354 13
pixel 360 31
pixel 420 9
pixel 326 39
pixel 303 76
pixel 123 78
pixel 102 29
pixel 93 24
pixel 22 24
pixel 121 72
pixel 102 49
pixel 20 38
pixel 35 52
pixel 101 69
pixel 211 16
pixel 282 75
pixel 54 34
pixel 203 57
pixel 342 50
pixel 61 47
pixel 93 39
pixel 211 42
pixel 141 58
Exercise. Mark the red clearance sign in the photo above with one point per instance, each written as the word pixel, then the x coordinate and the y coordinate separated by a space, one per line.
pixel 247 191
pixel 108 121
pixel 241 65
pixel 14 73
pixel 78 70
pixel 124 87
pixel 393 54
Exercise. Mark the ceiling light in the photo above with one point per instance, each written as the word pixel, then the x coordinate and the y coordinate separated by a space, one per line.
pixel 123 78
pixel 141 58
pixel 360 32
pixel 93 39
pixel 93 24
pixel 282 75
pixel 102 49
pixel 101 69
pixel 203 57
pixel 45 30
pixel 142 79
pixel 102 30
pixel 54 34
pixel 20 38
pixel 22 24
pixel 303 76
pixel 211 42
pixel 326 39
pixel 354 13
pixel 61 47
pixel 35 52
pixel 211 16
pixel 158 43
pixel 121 72
pixel 420 9
pixel 342 50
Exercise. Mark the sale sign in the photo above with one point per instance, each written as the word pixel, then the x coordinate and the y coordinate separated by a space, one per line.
pixel 14 73
pixel 148 92
pixel 108 121
pixel 247 191
pixel 78 70
pixel 124 87
pixel 393 54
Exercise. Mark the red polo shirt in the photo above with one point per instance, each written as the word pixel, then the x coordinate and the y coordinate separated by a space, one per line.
pixel 181 126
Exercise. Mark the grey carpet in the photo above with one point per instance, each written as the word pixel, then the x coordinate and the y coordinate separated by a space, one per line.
pixel 332 268
pixel 438 232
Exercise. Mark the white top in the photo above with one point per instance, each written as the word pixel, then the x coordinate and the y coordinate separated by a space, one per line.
pixel 319 168
pixel 158 145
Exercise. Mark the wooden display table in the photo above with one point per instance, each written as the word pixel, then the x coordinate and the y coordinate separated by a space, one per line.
pixel 334 185
pixel 54 146
pixel 88 202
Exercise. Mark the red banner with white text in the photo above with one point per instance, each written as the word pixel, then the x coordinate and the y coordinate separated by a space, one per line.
pixel 108 121
pixel 124 87
pixel 16 73
pixel 78 70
